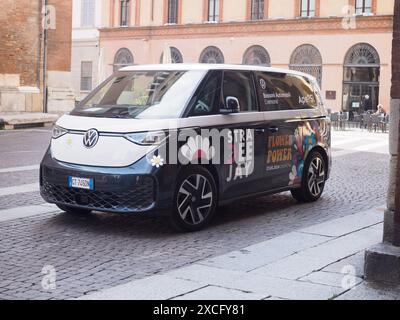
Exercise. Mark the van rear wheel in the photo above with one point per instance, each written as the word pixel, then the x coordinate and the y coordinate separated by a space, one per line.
pixel 73 210
pixel 195 200
pixel 313 180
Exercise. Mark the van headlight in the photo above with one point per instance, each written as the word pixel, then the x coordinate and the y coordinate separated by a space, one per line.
pixel 58 132
pixel 147 138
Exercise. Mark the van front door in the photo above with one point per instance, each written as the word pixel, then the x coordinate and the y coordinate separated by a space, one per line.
pixel 245 174
pixel 243 134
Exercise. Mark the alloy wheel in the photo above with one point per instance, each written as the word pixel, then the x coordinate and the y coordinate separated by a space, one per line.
pixel 195 199
pixel 316 177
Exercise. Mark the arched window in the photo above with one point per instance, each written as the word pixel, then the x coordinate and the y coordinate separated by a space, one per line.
pixel 362 54
pixel 361 79
pixel 176 56
pixel 212 55
pixel 256 55
pixel 123 58
pixel 307 58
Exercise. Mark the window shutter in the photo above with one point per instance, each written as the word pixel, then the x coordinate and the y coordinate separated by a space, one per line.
pixel 86 75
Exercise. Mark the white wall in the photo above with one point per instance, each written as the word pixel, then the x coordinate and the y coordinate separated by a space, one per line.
pixel 85 43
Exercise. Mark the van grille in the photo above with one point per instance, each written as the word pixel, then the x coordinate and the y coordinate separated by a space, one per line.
pixel 139 198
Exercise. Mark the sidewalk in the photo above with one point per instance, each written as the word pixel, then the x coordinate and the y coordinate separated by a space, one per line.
pixel 324 261
pixel 26 120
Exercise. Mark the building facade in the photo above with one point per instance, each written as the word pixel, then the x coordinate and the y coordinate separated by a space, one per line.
pixel 88 16
pixel 34 69
pixel 345 44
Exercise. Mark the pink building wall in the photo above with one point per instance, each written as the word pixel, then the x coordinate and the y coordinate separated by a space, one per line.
pixel 333 48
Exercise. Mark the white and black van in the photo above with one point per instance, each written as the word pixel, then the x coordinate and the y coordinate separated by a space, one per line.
pixel 185 139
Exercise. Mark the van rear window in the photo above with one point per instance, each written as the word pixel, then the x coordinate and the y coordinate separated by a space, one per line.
pixel 280 91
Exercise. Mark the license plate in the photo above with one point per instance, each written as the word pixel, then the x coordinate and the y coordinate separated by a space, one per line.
pixel 81 183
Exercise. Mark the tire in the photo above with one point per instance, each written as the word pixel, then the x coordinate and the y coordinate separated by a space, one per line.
pixel 313 180
pixel 195 200
pixel 73 210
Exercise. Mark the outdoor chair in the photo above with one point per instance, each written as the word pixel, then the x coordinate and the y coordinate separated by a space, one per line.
pixel 343 120
pixel 357 121
pixel 385 122
pixel 375 122
pixel 366 122
pixel 335 120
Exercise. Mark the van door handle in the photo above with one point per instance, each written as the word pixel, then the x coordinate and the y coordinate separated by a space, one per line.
pixel 260 130
pixel 273 129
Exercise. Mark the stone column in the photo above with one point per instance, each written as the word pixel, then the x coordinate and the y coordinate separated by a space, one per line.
pixel 393 149
pixel 382 262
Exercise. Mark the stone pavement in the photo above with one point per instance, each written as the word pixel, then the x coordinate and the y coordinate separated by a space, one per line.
pixel 324 261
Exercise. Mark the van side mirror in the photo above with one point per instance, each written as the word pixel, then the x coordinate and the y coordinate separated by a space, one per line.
pixel 232 105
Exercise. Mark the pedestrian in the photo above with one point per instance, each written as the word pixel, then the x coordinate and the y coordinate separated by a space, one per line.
pixel 367 104
pixel 381 110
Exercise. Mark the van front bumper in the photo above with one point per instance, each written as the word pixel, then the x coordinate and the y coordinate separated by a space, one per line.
pixel 135 189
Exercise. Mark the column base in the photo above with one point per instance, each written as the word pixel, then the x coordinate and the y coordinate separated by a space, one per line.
pixel 382 264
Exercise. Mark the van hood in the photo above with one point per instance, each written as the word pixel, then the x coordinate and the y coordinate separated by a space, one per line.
pixel 112 125
pixel 110 151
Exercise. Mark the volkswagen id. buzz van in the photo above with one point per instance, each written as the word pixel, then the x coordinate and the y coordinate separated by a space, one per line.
pixel 184 139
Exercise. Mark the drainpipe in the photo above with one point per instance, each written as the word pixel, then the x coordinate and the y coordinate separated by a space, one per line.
pixel 39 60
pixel 45 37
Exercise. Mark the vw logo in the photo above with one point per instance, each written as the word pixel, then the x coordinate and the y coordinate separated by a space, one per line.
pixel 90 138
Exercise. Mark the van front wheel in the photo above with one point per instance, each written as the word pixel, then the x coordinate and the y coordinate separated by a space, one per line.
pixel 195 200
pixel 313 180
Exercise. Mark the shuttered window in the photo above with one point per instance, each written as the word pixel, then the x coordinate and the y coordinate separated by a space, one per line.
pixel 87 13
pixel 86 75
pixel 172 11
pixel 213 10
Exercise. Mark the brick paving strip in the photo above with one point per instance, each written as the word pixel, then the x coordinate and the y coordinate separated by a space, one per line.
pixel 19 169
pixel 305 264
pixel 24 212
pixel 32 187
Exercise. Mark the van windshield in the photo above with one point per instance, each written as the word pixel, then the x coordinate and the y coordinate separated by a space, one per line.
pixel 141 95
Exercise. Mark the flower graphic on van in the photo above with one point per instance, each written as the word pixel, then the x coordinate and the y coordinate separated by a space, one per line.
pixel 292 176
pixel 157 161
pixel 198 148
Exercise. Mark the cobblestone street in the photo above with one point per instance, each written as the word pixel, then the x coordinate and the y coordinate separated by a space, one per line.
pixel 99 250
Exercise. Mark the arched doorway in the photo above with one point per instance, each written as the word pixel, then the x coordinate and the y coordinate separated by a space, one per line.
pixel 256 55
pixel 123 58
pixel 361 79
pixel 307 58
pixel 212 55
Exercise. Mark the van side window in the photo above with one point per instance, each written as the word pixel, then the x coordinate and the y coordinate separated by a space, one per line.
pixel 281 91
pixel 239 84
pixel 209 97
pixel 318 95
